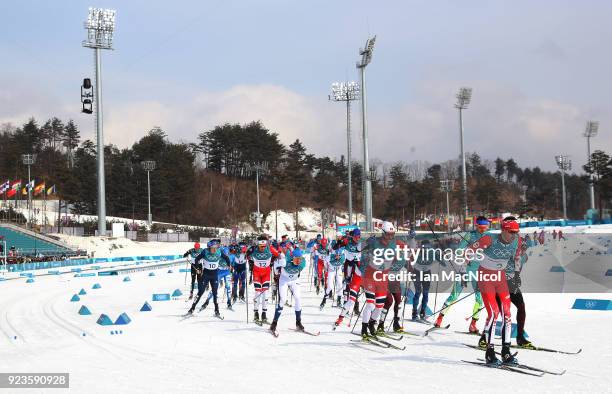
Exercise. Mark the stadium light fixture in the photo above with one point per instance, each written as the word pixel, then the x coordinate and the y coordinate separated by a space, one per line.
pixel 464 97
pixel 590 131
pixel 347 91
pixel 100 26
pixel 366 58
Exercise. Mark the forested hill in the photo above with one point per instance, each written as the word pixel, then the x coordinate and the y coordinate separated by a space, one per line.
pixel 211 181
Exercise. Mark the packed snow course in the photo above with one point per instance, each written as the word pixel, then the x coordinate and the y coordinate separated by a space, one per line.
pixel 159 351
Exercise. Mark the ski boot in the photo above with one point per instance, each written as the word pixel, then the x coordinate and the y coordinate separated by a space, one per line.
pixel 482 342
pixel 490 357
pixel 473 329
pixel 190 311
pixel 338 321
pixel 422 315
pixel 273 325
pixel 323 302
pixel 396 325
pixel 256 317
pixel 439 320
pixel 507 356
pixel 524 343
pixel 264 319
pixel 318 289
pixel 339 302
pixel 299 326
pixel 204 305
pixel 229 306
pixel 364 331
pixel 381 328
pixel 414 315
pixel 217 314
pixel 372 327
pixel 190 295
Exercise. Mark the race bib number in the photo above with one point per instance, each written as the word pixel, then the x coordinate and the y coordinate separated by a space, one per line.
pixel 212 266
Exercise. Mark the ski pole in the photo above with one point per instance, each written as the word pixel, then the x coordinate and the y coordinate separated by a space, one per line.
pixel 356 320
pixel 460 299
pixel 474 314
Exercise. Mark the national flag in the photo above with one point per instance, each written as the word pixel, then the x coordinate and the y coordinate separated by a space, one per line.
pixel 39 188
pixel 51 190
pixel 30 185
pixel 11 193
pixel 24 191
pixel 16 185
pixel 5 186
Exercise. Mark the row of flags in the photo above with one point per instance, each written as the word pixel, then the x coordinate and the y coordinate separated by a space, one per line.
pixel 10 189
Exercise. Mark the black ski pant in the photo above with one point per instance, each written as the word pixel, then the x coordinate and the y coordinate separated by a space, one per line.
pixel 208 278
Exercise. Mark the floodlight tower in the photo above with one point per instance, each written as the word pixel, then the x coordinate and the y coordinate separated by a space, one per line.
pixel 149 165
pixel 564 164
pixel 100 26
pixel 347 91
pixel 464 96
pixel 446 186
pixel 29 159
pixel 260 167
pixel 589 132
pixel 366 58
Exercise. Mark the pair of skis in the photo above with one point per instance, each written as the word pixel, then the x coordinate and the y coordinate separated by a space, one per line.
pixel 518 367
pixel 376 341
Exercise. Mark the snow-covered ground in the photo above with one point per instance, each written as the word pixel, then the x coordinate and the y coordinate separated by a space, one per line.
pixel 123 247
pixel 41 331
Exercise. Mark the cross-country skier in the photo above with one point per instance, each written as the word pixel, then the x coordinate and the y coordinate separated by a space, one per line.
pixel 497 250
pixel 207 263
pixel 513 276
pixel 223 274
pixel 333 268
pixel 394 293
pixel 352 274
pixel 375 279
pixel 262 258
pixel 191 254
pixel 321 251
pixel 289 269
pixel 471 268
pixel 239 273
pixel 422 282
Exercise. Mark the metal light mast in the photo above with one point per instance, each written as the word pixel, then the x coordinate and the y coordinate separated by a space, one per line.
pixel 149 165
pixel 590 132
pixel 446 186
pixel 100 26
pixel 366 58
pixel 29 159
pixel 464 96
pixel 564 164
pixel 347 91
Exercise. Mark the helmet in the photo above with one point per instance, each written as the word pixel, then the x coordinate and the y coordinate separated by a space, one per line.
pixel 388 227
pixel 511 226
pixel 196 245
pixel 262 242
pixel 324 242
pixel 318 236
pixel 296 253
pixel 482 221
pixel 412 234
pixel 212 243
pixel 356 233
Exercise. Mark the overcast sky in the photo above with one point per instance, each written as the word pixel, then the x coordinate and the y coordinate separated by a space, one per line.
pixel 539 70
